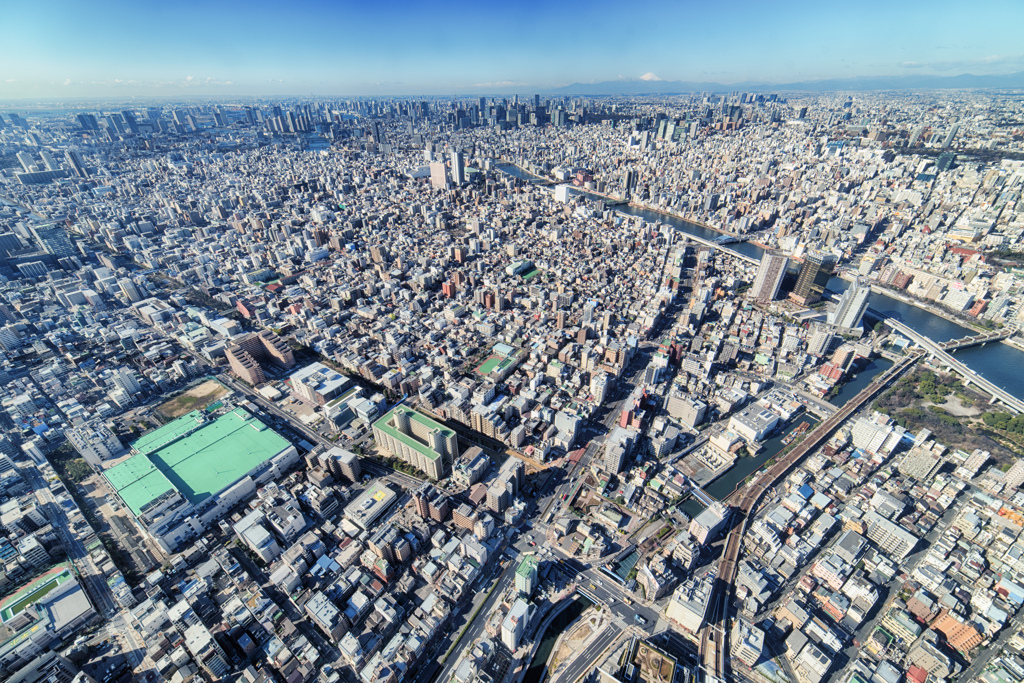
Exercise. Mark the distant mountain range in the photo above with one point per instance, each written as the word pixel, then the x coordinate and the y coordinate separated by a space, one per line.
pixel 913 82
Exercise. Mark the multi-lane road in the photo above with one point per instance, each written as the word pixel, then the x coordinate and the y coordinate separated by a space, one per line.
pixel 500 579
pixel 92 578
pixel 583 663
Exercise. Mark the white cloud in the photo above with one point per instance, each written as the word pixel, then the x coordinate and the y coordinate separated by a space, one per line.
pixel 649 76
pixel 499 84
pixel 67 81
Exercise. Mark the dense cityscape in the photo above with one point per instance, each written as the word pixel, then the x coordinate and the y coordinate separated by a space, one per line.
pixel 519 389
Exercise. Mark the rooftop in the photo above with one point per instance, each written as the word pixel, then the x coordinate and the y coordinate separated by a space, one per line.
pixel 195 456
pixel 527 566
pixel 370 504
pixel 384 424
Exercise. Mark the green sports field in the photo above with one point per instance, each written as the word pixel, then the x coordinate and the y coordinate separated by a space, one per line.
pixel 488 365
pixel 34 592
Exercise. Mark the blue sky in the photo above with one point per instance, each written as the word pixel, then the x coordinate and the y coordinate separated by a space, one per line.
pixel 109 48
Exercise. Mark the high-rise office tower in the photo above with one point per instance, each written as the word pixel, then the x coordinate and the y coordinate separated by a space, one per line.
pixel 438 175
pixel 76 163
pixel 814 276
pixel 130 291
pixel 116 124
pixel 769 277
pixel 851 306
pixel 48 160
pixel 949 138
pixel 129 119
pixel 458 168
pixel 526 576
pixel 821 340
pixel 26 161
pixel 54 240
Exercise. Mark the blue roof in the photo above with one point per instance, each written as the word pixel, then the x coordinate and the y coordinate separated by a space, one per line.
pixel 805 491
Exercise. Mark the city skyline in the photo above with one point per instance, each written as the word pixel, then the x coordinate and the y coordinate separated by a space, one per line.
pixel 109 49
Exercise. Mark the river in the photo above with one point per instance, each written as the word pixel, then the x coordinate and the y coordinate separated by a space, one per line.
pixel 1001 364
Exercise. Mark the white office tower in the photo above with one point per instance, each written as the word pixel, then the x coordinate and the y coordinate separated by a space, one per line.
pixel 852 305
pixel 821 340
pixel 26 161
pixel 129 290
pixel 949 137
pixel 600 386
pixel 123 378
pixel 458 168
pixel 769 277
pixel 48 160
pixel 438 175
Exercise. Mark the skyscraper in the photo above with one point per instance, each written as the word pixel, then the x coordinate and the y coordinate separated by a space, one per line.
pixel 88 122
pixel 458 168
pixel 129 290
pixel 438 175
pixel 769 277
pixel 851 306
pixel 54 240
pixel 74 160
pixel 814 276
pixel 821 340
pixel 129 119
pixel 26 161
pixel 949 137
pixel 48 160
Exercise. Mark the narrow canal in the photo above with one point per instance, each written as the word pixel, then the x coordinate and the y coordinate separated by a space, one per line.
pixel 555 628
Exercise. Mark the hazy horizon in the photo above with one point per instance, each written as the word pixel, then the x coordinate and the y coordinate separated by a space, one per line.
pixel 110 49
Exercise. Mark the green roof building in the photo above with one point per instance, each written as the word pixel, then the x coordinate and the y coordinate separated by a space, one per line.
pixel 413 437
pixel 526 575
pixel 176 480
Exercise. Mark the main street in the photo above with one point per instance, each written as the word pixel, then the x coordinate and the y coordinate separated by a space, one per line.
pixel 482 606
pixel 92 578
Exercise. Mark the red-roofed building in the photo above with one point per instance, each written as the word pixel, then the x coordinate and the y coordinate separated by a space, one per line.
pixel 831 371
pixel 978 308
pixel 245 308
pixel 916 674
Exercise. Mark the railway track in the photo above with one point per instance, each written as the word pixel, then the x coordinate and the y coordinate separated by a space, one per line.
pixel 714 644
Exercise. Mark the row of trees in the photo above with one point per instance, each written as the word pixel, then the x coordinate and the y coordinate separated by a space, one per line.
pixel 1005 421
